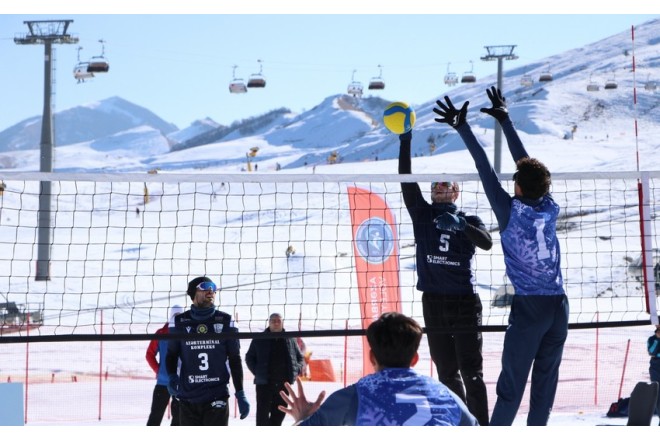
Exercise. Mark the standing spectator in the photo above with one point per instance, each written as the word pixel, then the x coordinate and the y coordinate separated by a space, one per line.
pixel 538 321
pixel 446 240
pixel 273 361
pixel 653 347
pixel 156 353
pixel 201 382
pixel 395 395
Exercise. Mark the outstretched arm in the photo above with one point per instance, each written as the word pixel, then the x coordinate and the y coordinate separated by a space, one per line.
pixel 412 194
pixel 499 199
pixel 479 235
pixel 499 111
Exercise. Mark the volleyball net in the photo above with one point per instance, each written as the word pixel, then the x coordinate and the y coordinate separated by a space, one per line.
pixel 100 255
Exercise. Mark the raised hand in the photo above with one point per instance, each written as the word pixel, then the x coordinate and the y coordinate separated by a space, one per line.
pixel 498 110
pixel 451 222
pixel 297 405
pixel 449 114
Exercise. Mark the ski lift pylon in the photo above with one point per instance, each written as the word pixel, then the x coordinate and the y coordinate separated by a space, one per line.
pixel 236 85
pixel 257 79
pixel 377 83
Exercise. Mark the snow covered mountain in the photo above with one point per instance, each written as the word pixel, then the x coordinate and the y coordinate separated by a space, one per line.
pixel 114 135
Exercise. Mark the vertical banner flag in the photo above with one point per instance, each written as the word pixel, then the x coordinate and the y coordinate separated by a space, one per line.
pixel 375 247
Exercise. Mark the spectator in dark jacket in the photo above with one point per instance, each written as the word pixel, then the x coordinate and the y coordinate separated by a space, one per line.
pixel 273 361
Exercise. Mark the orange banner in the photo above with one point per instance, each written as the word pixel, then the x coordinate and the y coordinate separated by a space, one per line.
pixel 376 252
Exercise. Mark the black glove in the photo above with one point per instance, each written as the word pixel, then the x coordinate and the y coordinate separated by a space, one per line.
pixel 243 404
pixel 173 385
pixel 451 222
pixel 450 115
pixel 499 110
pixel 406 136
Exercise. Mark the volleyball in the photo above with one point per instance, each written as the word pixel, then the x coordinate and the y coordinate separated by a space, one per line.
pixel 399 117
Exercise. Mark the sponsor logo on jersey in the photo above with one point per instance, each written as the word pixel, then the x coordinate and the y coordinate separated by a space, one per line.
pixel 202 329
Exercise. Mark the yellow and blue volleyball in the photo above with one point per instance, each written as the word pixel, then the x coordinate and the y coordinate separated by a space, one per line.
pixel 399 117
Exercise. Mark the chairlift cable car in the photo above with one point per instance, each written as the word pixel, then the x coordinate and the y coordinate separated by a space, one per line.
pixel 611 83
pixel 257 79
pixel 99 63
pixel 377 83
pixel 237 85
pixel 526 80
pixel 468 77
pixel 80 71
pixel 355 87
pixel 593 86
pixel 650 85
pixel 451 79
pixel 545 76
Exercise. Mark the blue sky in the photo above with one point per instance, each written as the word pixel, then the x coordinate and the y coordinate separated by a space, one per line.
pixel 180 65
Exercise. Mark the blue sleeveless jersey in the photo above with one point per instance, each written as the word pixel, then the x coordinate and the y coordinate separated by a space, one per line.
pixel 531 248
pixel 402 397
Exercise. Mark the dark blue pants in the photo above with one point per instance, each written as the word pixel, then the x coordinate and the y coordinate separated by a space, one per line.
pixel 457 355
pixel 159 402
pixel 654 373
pixel 537 331
pixel 215 413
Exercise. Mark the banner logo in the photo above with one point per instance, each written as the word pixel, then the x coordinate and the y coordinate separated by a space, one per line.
pixel 374 240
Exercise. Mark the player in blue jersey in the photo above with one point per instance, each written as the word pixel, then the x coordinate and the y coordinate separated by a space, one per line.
pixel 653 348
pixel 155 355
pixel 395 395
pixel 201 381
pixel 538 321
pixel 446 240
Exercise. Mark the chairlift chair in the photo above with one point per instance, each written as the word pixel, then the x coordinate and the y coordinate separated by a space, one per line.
pixel 545 77
pixel 451 79
pixel 355 87
pixel 650 85
pixel 99 64
pixel 611 84
pixel 257 79
pixel 468 77
pixel 237 85
pixel 592 86
pixel 377 83
pixel 526 81
pixel 80 72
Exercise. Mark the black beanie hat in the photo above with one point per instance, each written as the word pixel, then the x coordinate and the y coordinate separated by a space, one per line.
pixel 192 285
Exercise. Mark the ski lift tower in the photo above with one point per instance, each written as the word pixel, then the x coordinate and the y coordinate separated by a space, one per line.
pixel 499 53
pixel 46 32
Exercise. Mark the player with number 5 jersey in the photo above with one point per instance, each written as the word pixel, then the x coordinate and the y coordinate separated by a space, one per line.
pixel 538 321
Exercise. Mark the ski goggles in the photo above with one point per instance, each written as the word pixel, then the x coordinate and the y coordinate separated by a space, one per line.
pixel 441 184
pixel 207 286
